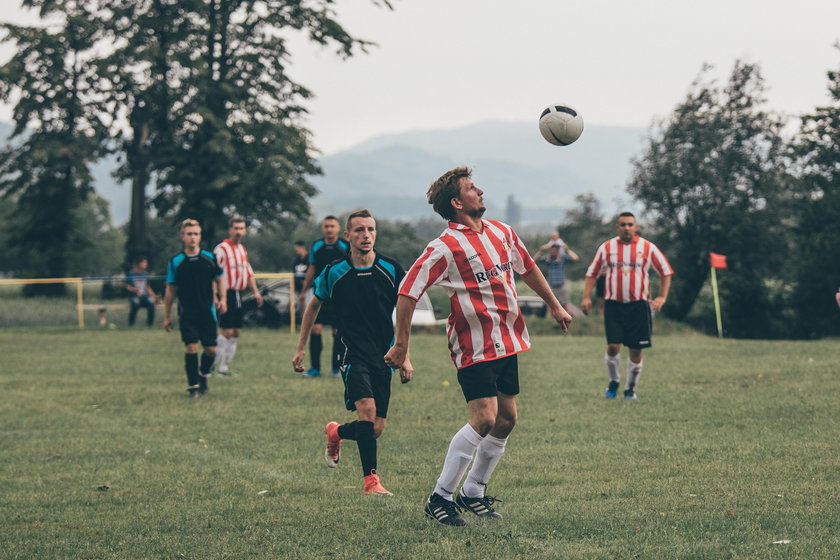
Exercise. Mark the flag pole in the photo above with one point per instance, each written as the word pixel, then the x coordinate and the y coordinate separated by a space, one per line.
pixel 717 303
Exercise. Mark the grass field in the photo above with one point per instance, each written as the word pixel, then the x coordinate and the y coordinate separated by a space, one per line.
pixel 731 446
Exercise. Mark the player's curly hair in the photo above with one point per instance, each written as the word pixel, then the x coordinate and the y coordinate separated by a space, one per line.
pixel 447 187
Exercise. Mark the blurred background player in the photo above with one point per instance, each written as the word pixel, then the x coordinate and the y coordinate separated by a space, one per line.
pixel 475 261
pixel 141 294
pixel 362 289
pixel 627 258
pixel 555 263
pixel 233 260
pixel 299 268
pixel 194 277
pixel 324 251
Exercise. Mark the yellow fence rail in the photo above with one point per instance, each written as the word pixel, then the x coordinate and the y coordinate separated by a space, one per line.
pixel 79 282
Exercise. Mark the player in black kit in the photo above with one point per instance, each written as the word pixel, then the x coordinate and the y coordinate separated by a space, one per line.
pixel 195 278
pixel 326 250
pixel 362 290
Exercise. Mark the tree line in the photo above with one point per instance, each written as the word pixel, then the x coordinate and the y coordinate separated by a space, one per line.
pixel 196 100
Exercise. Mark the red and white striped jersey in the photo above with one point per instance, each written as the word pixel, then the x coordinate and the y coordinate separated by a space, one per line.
pixel 233 260
pixel 627 266
pixel 477 272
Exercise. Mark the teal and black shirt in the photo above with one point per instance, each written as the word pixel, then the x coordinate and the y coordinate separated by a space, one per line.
pixel 362 301
pixel 194 275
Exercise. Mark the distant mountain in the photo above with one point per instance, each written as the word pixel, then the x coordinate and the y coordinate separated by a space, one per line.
pixel 390 174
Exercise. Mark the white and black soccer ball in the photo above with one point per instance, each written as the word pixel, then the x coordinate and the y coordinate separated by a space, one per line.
pixel 560 124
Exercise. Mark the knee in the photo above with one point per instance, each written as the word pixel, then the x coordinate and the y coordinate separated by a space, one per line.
pixel 377 430
pixel 613 349
pixel 210 350
pixel 506 422
pixel 191 349
pixel 484 424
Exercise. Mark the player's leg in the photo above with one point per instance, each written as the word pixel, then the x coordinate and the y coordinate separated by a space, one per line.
pixel 208 356
pixel 316 344
pixel 339 350
pixel 190 337
pixel 150 308
pixel 472 495
pixel 639 330
pixel 615 337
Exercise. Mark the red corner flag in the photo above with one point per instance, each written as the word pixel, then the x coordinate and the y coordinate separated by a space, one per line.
pixel 718 261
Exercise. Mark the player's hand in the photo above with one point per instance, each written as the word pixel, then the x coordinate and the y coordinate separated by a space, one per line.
pixel 406 371
pixel 167 325
pixel 396 357
pixel 297 361
pixel 562 317
pixel 222 306
pixel 302 300
pixel 657 304
pixel 259 298
pixel 586 305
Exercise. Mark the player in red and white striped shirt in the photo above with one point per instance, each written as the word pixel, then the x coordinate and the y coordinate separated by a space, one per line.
pixel 233 260
pixel 475 261
pixel 627 260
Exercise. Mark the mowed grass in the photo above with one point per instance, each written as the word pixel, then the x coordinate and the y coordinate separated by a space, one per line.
pixel 731 446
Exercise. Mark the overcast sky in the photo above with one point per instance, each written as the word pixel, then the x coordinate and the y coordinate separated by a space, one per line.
pixel 448 63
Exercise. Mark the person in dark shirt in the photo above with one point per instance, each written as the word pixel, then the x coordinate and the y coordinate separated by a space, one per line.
pixel 195 278
pixel 141 294
pixel 362 290
pixel 324 251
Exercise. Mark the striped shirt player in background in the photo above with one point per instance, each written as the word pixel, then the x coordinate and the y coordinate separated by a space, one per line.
pixel 475 261
pixel 324 251
pixel 362 289
pixel 627 259
pixel 233 259
pixel 194 277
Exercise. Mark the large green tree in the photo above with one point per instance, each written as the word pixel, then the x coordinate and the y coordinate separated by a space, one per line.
pixel 816 269
pixel 712 179
pixel 214 113
pixel 59 132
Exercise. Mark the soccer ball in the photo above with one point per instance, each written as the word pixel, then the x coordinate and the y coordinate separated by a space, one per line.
pixel 560 124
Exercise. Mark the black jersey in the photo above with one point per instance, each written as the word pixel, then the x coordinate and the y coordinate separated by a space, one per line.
pixel 362 301
pixel 194 275
pixel 322 253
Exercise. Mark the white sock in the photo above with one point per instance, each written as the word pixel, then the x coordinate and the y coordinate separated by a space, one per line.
pixel 458 457
pixel 221 344
pixel 633 373
pixel 613 365
pixel 487 456
pixel 229 351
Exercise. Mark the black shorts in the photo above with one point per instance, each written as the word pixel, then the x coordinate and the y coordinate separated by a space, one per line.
pixel 198 329
pixel 325 314
pixel 363 381
pixel 629 323
pixel 233 318
pixel 488 379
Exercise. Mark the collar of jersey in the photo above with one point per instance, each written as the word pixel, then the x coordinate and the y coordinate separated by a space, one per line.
pixel 462 227
pixel 360 268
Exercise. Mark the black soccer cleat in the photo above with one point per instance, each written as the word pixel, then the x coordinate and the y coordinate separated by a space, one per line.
pixel 482 507
pixel 443 511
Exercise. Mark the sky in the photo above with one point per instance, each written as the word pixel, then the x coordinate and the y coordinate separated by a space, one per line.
pixel 442 64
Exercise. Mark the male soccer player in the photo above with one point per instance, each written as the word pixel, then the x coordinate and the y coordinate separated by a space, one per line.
pixel 627 258
pixel 362 289
pixel 328 249
pixel 194 277
pixel 475 261
pixel 233 259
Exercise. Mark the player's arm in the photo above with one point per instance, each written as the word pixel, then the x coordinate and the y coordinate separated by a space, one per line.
pixel 586 300
pixel 664 288
pixel 252 283
pixel 309 316
pixel 169 297
pixel 397 356
pixel 536 281
pixel 220 293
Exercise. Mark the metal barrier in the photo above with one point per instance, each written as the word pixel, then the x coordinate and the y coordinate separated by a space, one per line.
pixel 80 292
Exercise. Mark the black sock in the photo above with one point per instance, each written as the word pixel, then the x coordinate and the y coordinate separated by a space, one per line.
pixel 339 349
pixel 348 430
pixel 315 346
pixel 367 446
pixel 191 365
pixel 206 362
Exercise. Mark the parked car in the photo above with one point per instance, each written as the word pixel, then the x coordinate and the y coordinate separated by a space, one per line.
pixel 532 305
pixel 275 311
